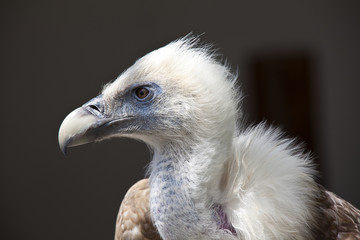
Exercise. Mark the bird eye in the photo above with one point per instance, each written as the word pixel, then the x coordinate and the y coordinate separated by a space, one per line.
pixel 141 93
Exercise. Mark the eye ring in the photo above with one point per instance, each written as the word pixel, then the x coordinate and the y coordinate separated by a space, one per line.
pixel 142 93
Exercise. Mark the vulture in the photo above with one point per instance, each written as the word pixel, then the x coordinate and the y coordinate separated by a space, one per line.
pixel 209 177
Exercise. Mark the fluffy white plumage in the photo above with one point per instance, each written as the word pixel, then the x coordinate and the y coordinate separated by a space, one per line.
pixel 209 177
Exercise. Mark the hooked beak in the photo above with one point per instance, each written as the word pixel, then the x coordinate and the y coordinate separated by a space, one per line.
pixel 88 123
pixel 73 129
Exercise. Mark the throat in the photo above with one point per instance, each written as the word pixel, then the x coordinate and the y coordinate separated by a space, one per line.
pixel 171 207
pixel 180 203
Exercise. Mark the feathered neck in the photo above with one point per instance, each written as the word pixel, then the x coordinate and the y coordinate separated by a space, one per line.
pixel 186 184
pixel 203 160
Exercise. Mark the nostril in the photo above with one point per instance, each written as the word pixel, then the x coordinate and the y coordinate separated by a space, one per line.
pixel 96 108
pixel 95 105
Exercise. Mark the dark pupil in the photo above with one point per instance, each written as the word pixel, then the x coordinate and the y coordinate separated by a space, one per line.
pixel 142 93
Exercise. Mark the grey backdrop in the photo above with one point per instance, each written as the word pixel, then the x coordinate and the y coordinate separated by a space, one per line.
pixel 56 55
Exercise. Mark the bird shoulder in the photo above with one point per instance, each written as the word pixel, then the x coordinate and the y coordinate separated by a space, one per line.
pixel 134 221
pixel 339 219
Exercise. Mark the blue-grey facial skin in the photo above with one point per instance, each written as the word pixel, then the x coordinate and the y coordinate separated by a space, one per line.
pixel 143 110
pixel 128 113
pixel 147 109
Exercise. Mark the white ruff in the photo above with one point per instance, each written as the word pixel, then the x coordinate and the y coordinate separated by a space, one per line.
pixel 272 194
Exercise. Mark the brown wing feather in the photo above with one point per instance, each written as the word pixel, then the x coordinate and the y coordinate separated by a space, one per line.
pixel 134 221
pixel 340 220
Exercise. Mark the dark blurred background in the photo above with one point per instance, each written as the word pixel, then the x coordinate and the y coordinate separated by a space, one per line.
pixel 299 69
